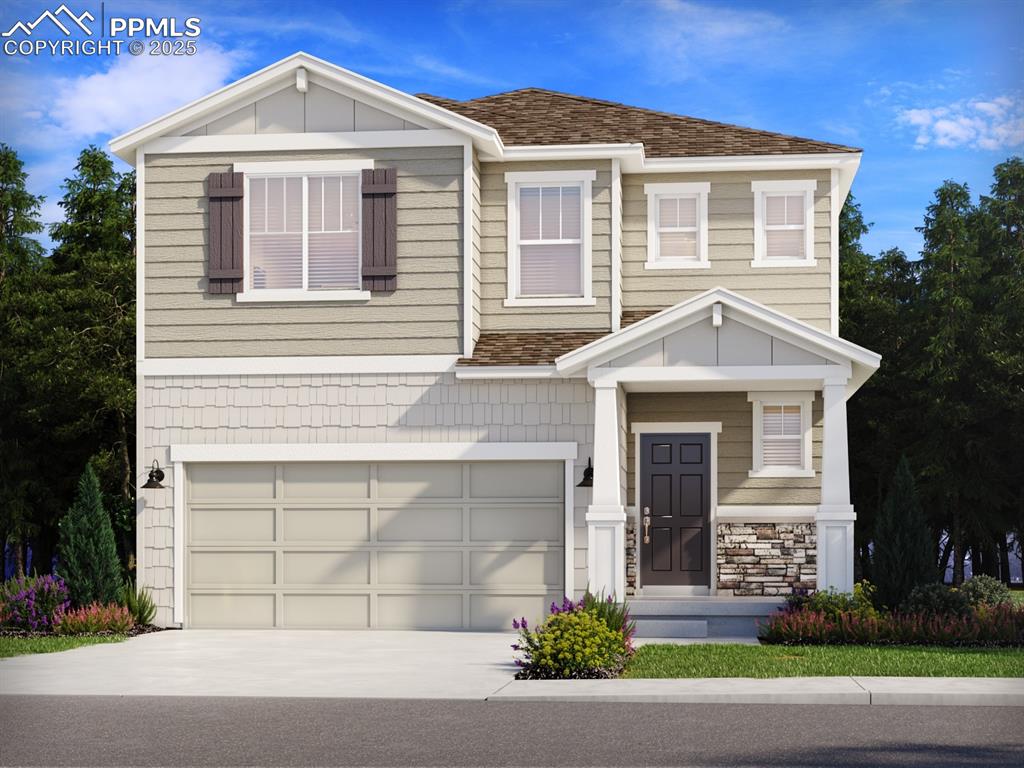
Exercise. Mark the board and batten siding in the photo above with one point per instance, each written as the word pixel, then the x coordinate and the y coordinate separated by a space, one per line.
pixel 494 316
pixel 735 445
pixel 800 292
pixel 423 316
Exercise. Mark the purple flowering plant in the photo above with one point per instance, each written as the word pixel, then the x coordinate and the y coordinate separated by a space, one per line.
pixel 33 603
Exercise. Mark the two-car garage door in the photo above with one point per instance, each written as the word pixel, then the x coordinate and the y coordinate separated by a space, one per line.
pixel 430 545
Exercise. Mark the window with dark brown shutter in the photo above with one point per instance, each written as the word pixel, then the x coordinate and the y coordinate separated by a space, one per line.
pixel 380 230
pixel 224 260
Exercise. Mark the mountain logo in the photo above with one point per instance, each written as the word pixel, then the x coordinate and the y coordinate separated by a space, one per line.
pixel 62 18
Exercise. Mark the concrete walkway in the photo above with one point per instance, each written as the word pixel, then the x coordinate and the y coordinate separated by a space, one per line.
pixel 279 663
pixel 917 691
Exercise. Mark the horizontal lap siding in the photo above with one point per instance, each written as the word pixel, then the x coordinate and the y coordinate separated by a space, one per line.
pixel 802 293
pixel 735 445
pixel 494 316
pixel 421 317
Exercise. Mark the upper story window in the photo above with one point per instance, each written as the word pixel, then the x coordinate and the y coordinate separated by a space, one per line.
pixel 783 223
pixel 549 254
pixel 782 434
pixel 677 226
pixel 303 231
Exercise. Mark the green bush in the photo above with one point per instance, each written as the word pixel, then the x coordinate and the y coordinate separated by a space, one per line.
pixel 936 600
pixel 96 618
pixel 831 603
pixel 88 554
pixel 615 615
pixel 985 590
pixel 572 644
pixel 138 602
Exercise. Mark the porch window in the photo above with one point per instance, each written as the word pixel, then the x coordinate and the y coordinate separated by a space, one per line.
pixel 782 434
pixel 677 226
pixel 783 223
pixel 549 238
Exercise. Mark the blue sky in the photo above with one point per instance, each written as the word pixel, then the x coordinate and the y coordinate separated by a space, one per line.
pixel 929 90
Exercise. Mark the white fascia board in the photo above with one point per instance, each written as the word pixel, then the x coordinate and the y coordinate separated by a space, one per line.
pixel 284 71
pixel 750 162
pixel 376 452
pixel 750 374
pixel 295 366
pixel 286 142
pixel 507 372
pixel 572 152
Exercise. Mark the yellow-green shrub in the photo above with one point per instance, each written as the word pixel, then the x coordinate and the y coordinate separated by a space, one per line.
pixel 572 644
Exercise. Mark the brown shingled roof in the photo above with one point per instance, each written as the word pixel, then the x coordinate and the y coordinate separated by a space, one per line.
pixel 528 347
pixel 534 116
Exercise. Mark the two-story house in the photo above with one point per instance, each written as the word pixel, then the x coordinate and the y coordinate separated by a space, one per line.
pixel 382 337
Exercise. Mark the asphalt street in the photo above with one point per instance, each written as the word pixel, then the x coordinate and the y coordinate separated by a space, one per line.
pixel 208 731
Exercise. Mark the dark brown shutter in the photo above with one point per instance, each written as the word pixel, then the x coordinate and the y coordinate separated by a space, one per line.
pixel 224 263
pixel 380 229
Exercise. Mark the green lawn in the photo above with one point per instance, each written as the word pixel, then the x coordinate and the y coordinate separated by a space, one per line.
pixel 17 646
pixel 805 661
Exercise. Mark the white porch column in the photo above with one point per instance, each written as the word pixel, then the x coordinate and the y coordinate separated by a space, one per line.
pixel 606 516
pixel 835 514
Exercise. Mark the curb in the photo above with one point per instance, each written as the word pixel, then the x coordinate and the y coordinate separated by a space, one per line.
pixel 855 691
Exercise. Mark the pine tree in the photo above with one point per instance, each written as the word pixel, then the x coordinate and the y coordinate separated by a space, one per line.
pixel 88 554
pixel 904 548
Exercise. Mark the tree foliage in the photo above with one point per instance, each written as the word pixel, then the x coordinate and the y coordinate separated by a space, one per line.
pixel 88 555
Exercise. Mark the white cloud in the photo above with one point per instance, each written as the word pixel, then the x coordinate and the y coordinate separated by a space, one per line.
pixel 993 124
pixel 135 89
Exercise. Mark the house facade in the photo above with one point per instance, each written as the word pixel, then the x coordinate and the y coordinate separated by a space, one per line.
pixel 410 362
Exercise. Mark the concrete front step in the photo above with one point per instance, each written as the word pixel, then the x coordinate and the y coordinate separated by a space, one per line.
pixel 700 617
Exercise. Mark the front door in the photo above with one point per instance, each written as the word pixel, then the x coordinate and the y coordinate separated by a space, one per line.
pixel 675 509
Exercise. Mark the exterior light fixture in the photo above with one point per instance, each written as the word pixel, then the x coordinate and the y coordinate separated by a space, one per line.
pixel 156 475
pixel 588 476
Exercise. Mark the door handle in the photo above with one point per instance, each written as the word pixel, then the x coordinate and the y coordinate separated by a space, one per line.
pixel 647 525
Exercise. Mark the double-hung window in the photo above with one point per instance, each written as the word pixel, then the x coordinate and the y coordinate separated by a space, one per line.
pixel 677 225
pixel 303 231
pixel 783 223
pixel 549 260
pixel 782 434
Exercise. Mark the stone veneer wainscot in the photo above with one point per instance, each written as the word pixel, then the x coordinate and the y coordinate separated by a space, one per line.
pixel 766 559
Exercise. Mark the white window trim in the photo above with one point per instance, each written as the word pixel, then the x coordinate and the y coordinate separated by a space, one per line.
pixel 513 180
pixel 803 399
pixel 763 188
pixel 296 168
pixel 698 190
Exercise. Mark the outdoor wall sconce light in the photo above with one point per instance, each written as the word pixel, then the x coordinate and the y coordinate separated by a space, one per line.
pixel 588 476
pixel 156 475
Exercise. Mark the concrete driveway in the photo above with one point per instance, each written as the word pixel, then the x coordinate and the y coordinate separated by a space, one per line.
pixel 379 664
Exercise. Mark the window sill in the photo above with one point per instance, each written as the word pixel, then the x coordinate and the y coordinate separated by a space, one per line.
pixel 781 472
pixel 783 263
pixel 667 264
pixel 292 295
pixel 579 301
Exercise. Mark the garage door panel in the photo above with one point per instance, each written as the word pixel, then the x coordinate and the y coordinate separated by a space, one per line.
pixel 215 567
pixel 326 611
pixel 214 525
pixel 419 611
pixel 417 523
pixel 232 481
pixel 543 523
pixel 514 567
pixel 430 568
pixel 234 611
pixel 419 480
pixel 516 480
pixel 496 612
pixel 326 568
pixel 326 481
pixel 321 525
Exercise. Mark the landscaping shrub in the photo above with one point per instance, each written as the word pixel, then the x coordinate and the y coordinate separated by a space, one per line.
pixel 903 554
pixel 96 618
pixel 985 590
pixel 570 644
pixel 936 600
pixel 88 553
pixel 138 602
pixel 831 603
pixel 33 603
pixel 615 615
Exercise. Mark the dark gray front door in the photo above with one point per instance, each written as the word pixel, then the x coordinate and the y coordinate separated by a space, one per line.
pixel 675 509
